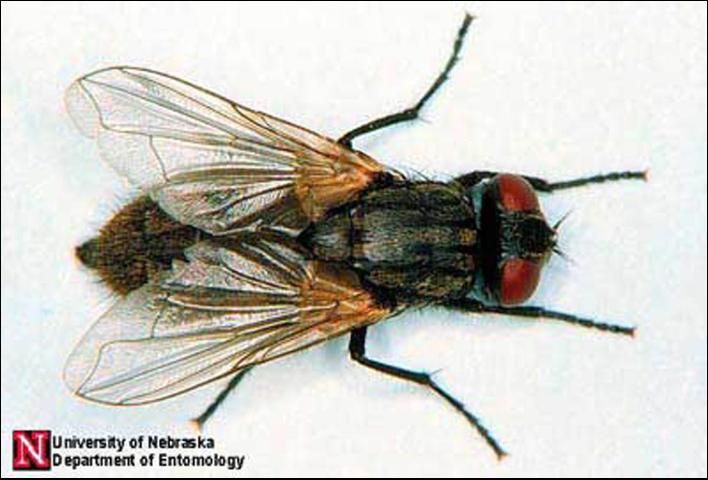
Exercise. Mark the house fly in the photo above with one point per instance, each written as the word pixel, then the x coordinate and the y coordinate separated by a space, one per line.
pixel 255 238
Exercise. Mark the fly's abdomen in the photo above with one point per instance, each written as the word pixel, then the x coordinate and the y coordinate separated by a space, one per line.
pixel 138 242
pixel 414 239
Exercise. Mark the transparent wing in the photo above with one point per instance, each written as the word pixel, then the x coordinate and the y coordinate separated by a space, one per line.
pixel 209 162
pixel 232 304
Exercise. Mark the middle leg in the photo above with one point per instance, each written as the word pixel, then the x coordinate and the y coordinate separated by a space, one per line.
pixel 357 351
pixel 412 113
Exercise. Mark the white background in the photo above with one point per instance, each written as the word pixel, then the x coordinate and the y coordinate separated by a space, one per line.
pixel 552 90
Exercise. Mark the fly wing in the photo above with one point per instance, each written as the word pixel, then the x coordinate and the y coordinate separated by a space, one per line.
pixel 210 162
pixel 231 305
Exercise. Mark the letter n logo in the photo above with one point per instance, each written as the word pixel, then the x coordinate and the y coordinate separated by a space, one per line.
pixel 31 449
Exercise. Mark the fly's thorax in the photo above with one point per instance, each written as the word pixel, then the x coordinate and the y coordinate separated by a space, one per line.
pixel 412 238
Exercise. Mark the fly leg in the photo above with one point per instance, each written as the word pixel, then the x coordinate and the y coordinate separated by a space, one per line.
pixel 543 185
pixel 357 351
pixel 198 422
pixel 471 306
pixel 412 113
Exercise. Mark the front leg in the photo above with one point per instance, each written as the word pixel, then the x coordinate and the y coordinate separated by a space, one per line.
pixel 357 351
pixel 468 305
pixel 543 185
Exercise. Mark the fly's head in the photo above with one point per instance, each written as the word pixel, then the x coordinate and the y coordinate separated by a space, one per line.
pixel 515 241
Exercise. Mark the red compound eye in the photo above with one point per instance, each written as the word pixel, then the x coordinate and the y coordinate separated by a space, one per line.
pixel 519 279
pixel 516 194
